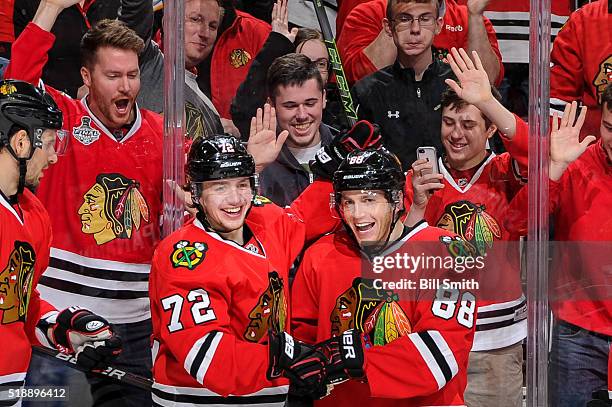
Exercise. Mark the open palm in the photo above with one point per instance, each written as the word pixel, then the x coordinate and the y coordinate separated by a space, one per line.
pixel 565 144
pixel 263 143
pixel 473 82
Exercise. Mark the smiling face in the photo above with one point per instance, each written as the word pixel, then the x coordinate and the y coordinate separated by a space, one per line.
pixel 226 204
pixel 464 136
pixel 114 82
pixel 368 214
pixel 413 38
pixel 202 20
pixel 299 110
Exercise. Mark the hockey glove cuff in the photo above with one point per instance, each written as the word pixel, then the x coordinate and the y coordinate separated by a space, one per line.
pixel 298 362
pixel 345 355
pixel 361 136
pixel 85 334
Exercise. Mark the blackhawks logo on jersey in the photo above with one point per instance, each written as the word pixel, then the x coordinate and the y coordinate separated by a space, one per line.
pixel 270 311
pixel 188 255
pixel 261 200
pixel 603 77
pixel 16 283
pixel 112 208
pixel 239 57
pixel 472 223
pixel 374 312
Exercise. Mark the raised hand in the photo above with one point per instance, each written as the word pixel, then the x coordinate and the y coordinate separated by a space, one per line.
pixel 477 6
pixel 565 144
pixel 280 20
pixel 263 143
pixel 474 86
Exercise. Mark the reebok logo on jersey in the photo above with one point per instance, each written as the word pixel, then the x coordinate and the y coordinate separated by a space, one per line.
pixel 454 28
pixel 85 133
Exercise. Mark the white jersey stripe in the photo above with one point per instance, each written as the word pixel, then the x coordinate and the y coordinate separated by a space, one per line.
pixel 210 353
pixel 99 263
pixel 429 359
pixel 446 351
pixel 66 275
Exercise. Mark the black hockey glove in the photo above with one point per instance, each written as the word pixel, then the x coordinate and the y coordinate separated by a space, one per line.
pixel 85 334
pixel 361 136
pixel 345 355
pixel 298 362
pixel 600 399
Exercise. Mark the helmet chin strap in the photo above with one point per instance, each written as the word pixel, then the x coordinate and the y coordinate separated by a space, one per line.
pixel 23 169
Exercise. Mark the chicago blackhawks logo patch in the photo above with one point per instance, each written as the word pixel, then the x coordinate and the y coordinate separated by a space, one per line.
pixel 16 283
pixel 188 255
pixel 472 223
pixel 270 311
pixel 239 57
pixel 374 312
pixel 603 77
pixel 113 208
pixel 7 89
pixel 85 133
pixel 261 200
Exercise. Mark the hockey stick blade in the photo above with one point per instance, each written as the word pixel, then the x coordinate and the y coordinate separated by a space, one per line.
pixel 336 63
pixel 109 372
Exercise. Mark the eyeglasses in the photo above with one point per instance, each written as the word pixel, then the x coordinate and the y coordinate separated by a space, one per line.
pixel 322 64
pixel 404 21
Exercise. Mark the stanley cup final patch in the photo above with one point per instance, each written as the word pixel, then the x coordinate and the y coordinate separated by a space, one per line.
pixel 85 133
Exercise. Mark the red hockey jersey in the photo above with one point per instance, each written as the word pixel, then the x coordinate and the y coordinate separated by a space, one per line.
pixel 581 61
pixel 581 278
pixel 213 301
pixel 424 358
pixel 477 210
pixel 104 197
pixel 25 236
pixel 364 23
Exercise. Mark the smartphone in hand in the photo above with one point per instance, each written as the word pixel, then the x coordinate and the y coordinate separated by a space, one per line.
pixel 430 154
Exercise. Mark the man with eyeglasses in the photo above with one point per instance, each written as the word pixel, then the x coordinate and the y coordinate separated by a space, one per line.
pixel 365 46
pixel 404 98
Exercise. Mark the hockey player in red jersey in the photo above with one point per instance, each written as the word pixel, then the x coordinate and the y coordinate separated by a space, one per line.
pixel 29 119
pixel 580 280
pixel 426 342
pixel 107 225
pixel 219 283
pixel 471 196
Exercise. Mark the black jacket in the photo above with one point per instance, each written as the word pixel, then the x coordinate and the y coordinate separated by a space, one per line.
pixel 407 111
pixel 285 179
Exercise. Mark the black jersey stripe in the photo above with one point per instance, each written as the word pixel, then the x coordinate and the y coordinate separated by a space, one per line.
pixel 197 361
pixel 501 312
pixel 203 400
pixel 88 291
pixel 496 325
pixel 437 354
pixel 101 273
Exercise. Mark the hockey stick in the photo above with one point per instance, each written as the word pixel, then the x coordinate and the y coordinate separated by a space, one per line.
pixel 336 63
pixel 109 372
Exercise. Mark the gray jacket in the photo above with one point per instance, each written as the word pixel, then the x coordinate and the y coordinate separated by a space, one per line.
pixel 285 179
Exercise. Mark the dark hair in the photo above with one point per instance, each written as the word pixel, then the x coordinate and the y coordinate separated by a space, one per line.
pixel 606 97
pixel 454 102
pixel 307 34
pixel 292 70
pixel 391 3
pixel 108 33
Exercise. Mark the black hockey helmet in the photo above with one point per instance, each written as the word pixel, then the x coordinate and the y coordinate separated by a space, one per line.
pixel 370 169
pixel 28 107
pixel 216 158
pixel 219 157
